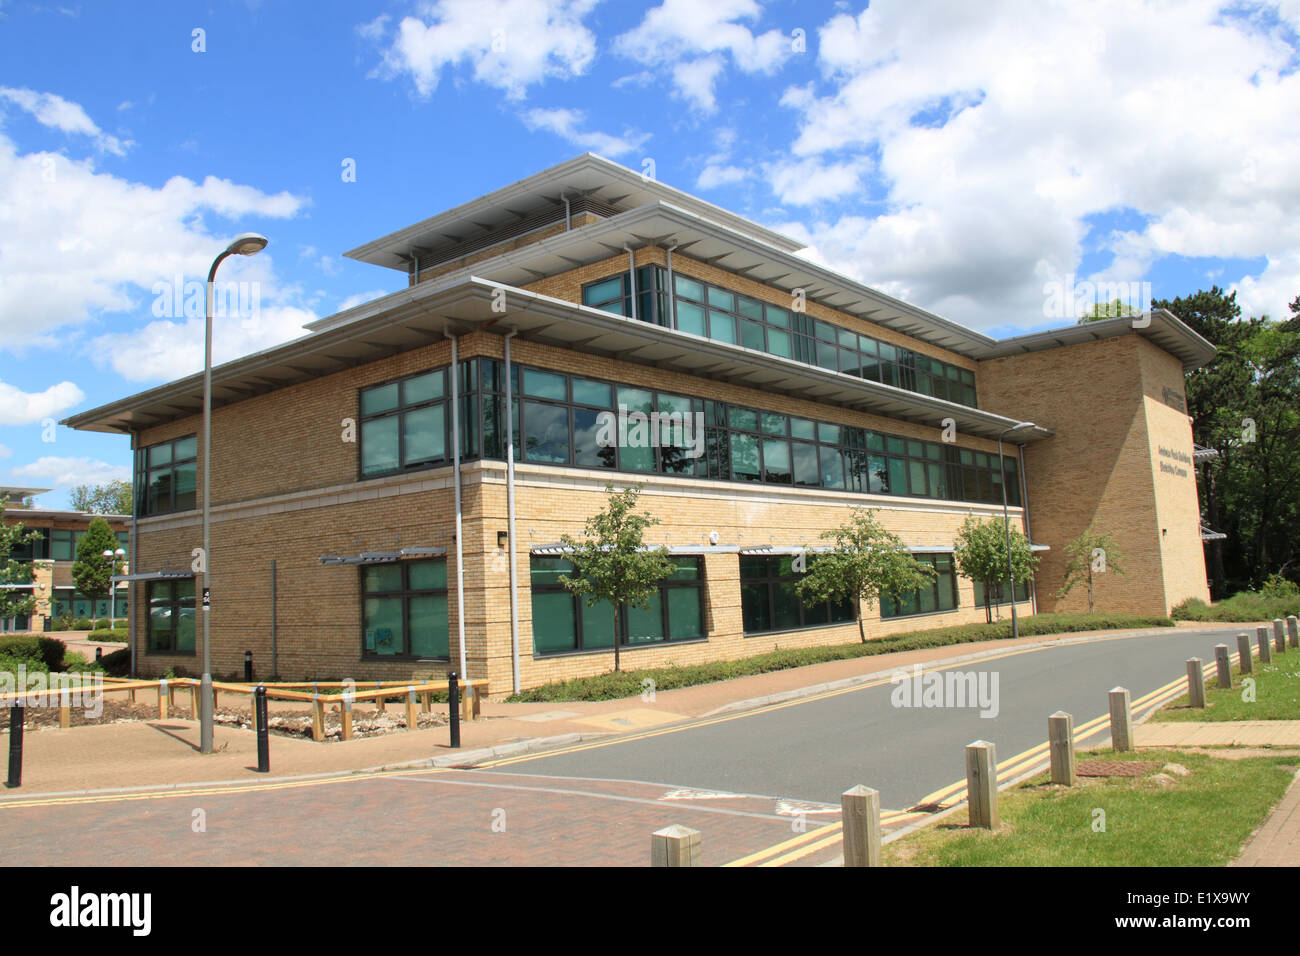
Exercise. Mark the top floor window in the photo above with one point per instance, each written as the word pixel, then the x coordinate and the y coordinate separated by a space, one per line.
pixel 166 476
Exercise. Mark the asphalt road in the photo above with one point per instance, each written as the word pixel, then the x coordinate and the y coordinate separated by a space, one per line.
pixel 816 750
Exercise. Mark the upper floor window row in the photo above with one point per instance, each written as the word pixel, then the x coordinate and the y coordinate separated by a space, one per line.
pixel 713 312
pixel 166 476
pixel 405 424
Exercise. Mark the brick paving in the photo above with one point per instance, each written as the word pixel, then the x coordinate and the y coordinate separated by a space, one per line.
pixel 1277 842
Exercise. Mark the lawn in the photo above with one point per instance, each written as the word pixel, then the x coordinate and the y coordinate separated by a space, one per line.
pixel 1277 694
pixel 1202 819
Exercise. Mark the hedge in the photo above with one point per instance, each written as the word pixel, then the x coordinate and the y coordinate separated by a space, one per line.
pixel 613 686
pixel 32 647
pixel 105 636
pixel 1242 606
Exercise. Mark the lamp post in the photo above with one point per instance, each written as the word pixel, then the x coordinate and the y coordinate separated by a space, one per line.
pixel 1006 523
pixel 114 561
pixel 250 243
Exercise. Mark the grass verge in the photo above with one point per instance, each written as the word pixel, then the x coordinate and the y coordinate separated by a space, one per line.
pixel 613 686
pixel 1276 694
pixel 1244 606
pixel 1202 819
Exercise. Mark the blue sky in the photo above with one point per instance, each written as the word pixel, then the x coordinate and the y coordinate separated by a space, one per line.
pixel 968 158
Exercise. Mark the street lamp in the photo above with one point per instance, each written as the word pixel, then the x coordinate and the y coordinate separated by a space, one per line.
pixel 115 559
pixel 1006 522
pixel 250 243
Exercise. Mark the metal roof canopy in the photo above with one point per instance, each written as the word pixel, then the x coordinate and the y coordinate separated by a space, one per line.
pixel 557 549
pixel 588 175
pixel 471 306
pixel 1160 326
pixel 380 557
pixel 164 575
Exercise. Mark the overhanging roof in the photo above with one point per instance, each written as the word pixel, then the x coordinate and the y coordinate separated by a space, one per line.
pixel 1160 326
pixel 417 316
pixel 588 176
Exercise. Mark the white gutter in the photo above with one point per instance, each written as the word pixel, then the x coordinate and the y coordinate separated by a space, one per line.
pixel 510 517
pixel 460 545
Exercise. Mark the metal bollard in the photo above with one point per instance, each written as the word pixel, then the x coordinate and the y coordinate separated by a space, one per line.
pixel 453 703
pixel 248 667
pixel 99 653
pixel 16 715
pixel 263 731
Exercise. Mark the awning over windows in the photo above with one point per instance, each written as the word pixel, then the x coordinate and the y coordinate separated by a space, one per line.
pixel 559 550
pixel 163 575
pixel 382 557
pixel 1209 535
pixel 1200 453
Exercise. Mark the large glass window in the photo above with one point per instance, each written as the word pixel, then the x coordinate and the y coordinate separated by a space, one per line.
pixel 166 476
pixel 404 424
pixel 769 601
pixel 714 312
pixel 939 595
pixel 404 606
pixel 562 621
pixel 171 616
pixel 999 593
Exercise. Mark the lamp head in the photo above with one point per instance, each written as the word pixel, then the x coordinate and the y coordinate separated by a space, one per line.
pixel 250 243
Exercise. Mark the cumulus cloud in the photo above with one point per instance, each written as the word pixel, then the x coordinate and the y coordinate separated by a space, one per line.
pixel 62 472
pixel 508 44
pixel 55 112
pixel 567 123
pixel 27 408
pixel 1000 134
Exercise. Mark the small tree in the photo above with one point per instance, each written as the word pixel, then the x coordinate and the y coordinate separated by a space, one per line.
pixel 612 562
pixel 91 571
pixel 12 571
pixel 865 562
pixel 113 498
pixel 1091 553
pixel 980 553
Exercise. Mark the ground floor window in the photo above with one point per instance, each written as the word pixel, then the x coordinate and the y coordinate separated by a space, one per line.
pixel 76 605
pixel 563 622
pixel 999 593
pixel 405 609
pixel 171 616
pixel 939 595
pixel 769 602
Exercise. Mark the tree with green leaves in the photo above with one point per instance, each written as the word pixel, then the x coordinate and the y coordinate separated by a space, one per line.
pixel 12 571
pixel 980 553
pixel 1107 310
pixel 864 562
pixel 612 562
pixel 1091 553
pixel 113 498
pixel 91 570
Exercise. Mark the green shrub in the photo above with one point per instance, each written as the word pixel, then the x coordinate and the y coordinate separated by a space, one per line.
pixel 9 664
pixel 82 624
pixel 103 624
pixel 75 663
pixel 1243 606
pixel 61 623
pixel 1278 587
pixel 613 686
pixel 47 650
pixel 105 635
pixel 118 663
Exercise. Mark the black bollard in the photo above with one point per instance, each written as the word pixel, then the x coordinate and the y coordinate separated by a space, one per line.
pixel 99 653
pixel 453 704
pixel 16 714
pixel 248 666
pixel 263 731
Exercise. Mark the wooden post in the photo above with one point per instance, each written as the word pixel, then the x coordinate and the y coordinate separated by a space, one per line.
pixel 346 717
pixel 1265 650
pixel 1060 741
pixel 860 811
pixel 194 701
pixel 65 710
pixel 1121 720
pixel 1279 635
pixel 982 784
pixel 1293 630
pixel 1223 665
pixel 675 846
pixel 1195 683
pixel 162 699
pixel 426 701
pixel 132 693
pixel 1243 652
pixel 467 707
pixel 381 703
pixel 412 721
pixel 317 718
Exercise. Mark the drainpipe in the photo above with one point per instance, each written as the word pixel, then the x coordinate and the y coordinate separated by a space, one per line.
pixel 510 512
pixel 1024 504
pixel 460 544
pixel 672 291
pixel 567 221
pixel 631 274
pixel 132 547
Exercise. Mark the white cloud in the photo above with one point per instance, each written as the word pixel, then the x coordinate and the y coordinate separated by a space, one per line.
pixel 694 40
pixel 360 298
pixel 566 123
pixel 1001 132
pixel 6 451
pixel 26 408
pixel 807 181
pixel 62 472
pixel 508 44
pixel 55 112
pixel 714 175
pixel 78 243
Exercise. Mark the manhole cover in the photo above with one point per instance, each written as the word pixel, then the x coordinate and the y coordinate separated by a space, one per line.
pixel 1114 768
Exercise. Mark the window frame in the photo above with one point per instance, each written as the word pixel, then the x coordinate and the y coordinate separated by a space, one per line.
pixel 175 605
pixel 405 593
pixel 769 581
pixel 931 559
pixel 143 479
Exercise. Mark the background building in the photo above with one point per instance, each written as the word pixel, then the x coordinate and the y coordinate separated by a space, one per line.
pixel 344 461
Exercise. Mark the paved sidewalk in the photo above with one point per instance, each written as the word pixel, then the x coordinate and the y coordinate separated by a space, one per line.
pixel 1277 842
pixel 1222 733
pixel 164 753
